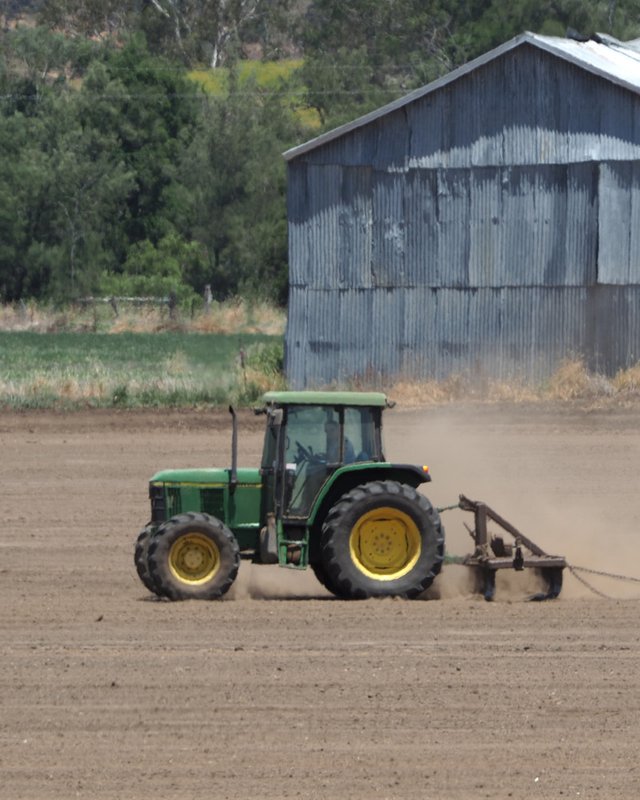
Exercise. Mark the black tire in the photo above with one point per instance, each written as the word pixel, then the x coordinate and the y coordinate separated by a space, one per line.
pixel 321 574
pixel 193 557
pixel 140 558
pixel 382 539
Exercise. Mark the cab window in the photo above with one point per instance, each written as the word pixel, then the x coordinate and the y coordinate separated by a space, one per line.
pixel 305 433
pixel 269 450
pixel 361 435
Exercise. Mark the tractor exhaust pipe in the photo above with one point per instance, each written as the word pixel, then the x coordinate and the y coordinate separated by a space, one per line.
pixel 233 482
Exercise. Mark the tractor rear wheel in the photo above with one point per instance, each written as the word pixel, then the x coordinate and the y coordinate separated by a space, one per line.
pixel 321 574
pixel 381 539
pixel 140 558
pixel 193 557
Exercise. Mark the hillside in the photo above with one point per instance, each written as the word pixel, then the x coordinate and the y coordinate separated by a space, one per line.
pixel 139 155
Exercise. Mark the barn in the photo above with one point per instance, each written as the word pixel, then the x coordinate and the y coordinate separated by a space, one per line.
pixel 486 224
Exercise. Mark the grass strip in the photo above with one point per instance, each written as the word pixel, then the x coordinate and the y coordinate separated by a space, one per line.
pixel 67 370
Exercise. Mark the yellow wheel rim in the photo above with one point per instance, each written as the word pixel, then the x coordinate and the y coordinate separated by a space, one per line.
pixel 194 558
pixel 385 543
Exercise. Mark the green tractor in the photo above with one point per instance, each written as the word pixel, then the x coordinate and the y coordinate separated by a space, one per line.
pixel 324 497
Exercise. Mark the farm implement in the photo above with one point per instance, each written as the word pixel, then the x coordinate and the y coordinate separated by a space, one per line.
pixel 493 553
pixel 324 497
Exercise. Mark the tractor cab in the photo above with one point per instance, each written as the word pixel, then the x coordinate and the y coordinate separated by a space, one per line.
pixel 309 436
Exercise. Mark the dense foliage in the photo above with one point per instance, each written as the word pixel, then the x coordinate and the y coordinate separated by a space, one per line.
pixel 121 174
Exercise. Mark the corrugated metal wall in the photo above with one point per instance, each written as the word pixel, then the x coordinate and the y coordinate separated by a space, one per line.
pixel 491 227
pixel 375 336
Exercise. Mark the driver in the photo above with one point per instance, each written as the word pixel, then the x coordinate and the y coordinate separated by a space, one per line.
pixel 332 431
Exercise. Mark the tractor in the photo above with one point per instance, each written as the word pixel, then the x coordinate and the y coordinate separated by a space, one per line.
pixel 323 497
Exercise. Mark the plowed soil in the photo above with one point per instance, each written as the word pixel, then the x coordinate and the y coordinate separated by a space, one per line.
pixel 282 691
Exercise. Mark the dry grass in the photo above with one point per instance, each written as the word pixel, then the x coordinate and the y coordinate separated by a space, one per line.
pixel 627 381
pixel 234 316
pixel 256 382
pixel 237 316
pixel 571 382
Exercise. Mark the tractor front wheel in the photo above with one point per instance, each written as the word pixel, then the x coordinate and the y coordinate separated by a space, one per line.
pixel 381 539
pixel 193 557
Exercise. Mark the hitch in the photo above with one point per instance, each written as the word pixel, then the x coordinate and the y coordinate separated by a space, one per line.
pixel 492 554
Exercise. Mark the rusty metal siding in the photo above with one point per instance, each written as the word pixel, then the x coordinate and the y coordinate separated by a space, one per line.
pixel 387 260
pixel 375 337
pixel 531 226
pixel 490 226
pixel 353 307
pixel 469 123
pixel 503 73
pixel 450 251
pixel 619 223
pixel 330 226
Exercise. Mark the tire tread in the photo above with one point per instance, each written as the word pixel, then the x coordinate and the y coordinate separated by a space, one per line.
pixel 341 579
pixel 164 583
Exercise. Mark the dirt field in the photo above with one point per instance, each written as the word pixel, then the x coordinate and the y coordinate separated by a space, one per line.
pixel 281 691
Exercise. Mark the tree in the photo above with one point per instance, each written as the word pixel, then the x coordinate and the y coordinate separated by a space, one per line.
pixel 21 192
pixel 480 25
pixel 89 184
pixel 393 34
pixel 150 109
pixel 155 271
pixel 96 19
pixel 233 178
pixel 90 167
pixel 212 30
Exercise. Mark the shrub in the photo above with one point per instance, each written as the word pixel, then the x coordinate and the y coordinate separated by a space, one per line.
pixel 155 271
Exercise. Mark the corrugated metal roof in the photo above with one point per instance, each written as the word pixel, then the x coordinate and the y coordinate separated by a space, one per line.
pixel 604 56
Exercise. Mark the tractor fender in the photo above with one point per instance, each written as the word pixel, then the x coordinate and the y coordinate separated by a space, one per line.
pixel 351 475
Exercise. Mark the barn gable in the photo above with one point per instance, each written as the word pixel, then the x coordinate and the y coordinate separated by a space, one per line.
pixel 448 230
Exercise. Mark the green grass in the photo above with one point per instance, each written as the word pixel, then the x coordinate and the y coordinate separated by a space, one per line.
pixel 67 370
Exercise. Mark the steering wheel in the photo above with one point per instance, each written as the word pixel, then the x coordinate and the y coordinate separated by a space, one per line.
pixel 303 454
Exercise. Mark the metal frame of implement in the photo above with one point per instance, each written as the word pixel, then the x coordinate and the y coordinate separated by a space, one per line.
pixel 492 554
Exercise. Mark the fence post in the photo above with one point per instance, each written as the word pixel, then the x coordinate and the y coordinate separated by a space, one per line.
pixel 173 302
pixel 208 297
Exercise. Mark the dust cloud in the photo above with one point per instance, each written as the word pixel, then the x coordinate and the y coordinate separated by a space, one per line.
pixel 565 478
pixel 265 582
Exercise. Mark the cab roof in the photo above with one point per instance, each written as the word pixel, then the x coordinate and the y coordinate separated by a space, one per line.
pixel 377 399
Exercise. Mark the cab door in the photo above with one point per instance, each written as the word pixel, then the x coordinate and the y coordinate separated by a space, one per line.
pixel 306 462
pixel 271 458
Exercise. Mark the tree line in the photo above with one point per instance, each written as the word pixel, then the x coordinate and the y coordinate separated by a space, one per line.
pixel 120 174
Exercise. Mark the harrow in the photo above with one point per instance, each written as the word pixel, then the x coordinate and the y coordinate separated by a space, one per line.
pixel 492 553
